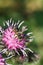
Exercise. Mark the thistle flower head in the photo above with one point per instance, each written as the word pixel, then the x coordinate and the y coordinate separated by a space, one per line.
pixel 2 60
pixel 14 38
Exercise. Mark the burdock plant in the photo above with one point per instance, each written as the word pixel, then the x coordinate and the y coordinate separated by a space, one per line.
pixel 13 40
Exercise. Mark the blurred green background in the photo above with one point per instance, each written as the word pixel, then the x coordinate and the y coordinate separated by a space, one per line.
pixel 31 11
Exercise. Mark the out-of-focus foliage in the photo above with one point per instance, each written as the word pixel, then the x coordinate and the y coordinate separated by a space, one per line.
pixel 34 5
pixel 31 11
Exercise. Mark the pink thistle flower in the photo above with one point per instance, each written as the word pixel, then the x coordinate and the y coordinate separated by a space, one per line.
pixel 2 60
pixel 15 38
pixel 11 35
